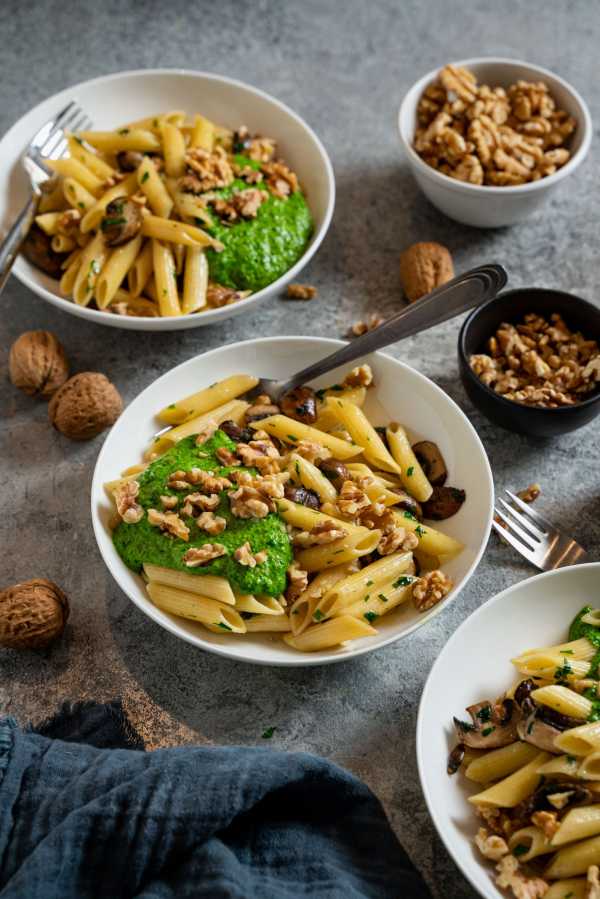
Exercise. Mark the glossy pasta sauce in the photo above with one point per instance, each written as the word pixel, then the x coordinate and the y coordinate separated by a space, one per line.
pixel 581 629
pixel 257 251
pixel 141 542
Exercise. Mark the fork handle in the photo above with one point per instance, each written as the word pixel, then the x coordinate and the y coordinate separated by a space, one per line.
pixel 458 295
pixel 10 246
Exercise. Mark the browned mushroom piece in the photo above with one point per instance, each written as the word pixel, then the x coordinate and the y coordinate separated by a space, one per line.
pixel 122 221
pixel 129 160
pixel 552 795
pixel 408 503
pixel 494 724
pixel 301 404
pixel 303 496
pixel 336 471
pixel 235 433
pixel 262 407
pixel 431 461
pixel 443 503
pixel 455 759
pixel 37 249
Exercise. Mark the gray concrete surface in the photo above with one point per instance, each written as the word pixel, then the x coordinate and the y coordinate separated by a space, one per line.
pixel 344 66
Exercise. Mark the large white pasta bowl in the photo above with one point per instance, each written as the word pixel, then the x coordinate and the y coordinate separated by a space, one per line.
pixel 126 96
pixel 475 665
pixel 401 394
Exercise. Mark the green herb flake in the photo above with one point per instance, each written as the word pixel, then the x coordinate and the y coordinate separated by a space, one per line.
pixel 410 516
pixel 566 652
pixel 487 731
pixel 144 177
pixel 571 759
pixel 520 849
pixel 172 406
pixel 369 583
pixel 109 223
pixel 563 672
pixel 367 597
pixel 403 581
pixel 485 713
pixel 81 205
pixel 224 626
pixel 371 616
pixel 123 131
pixel 419 531
pixel 291 437
pixel 410 471
pixel 297 467
pixel 317 614
pixel 382 597
pixel 268 733
pixel 320 393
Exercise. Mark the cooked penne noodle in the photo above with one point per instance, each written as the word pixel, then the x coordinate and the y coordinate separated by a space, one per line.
pixel 353 546
pixel 566 765
pixel 177 232
pixel 89 159
pixel 72 168
pixel 207 399
pixel 164 277
pixel 354 420
pixel 234 411
pixel 560 668
pixel 329 634
pixel 52 198
pixel 195 280
pixel 90 265
pixel 195 607
pixel 96 210
pixel 580 740
pixel 388 569
pixel 433 542
pixel 589 766
pixel 304 472
pixel 203 133
pixel 173 149
pixel 499 763
pixel 124 139
pixel 268 623
pixel 48 222
pixel 67 282
pixel 60 243
pixel 115 270
pixel 306 519
pixel 291 431
pixel 151 184
pixel 578 824
pixel 77 196
pixel 188 206
pixel 301 611
pixel 141 270
pixel 511 790
pixel 572 888
pixel 530 842
pixel 573 860
pixel 563 700
pixel 205 585
pixel 574 649
pixel 259 605
pixel 411 473
pixel 380 601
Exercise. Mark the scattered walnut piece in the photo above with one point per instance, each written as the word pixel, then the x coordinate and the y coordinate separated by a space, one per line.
pixel 207 502
pixel 32 614
pixel 352 499
pixel 322 533
pixel 261 454
pixel 539 362
pixel 211 523
pixel 361 327
pixel 280 180
pixel 491 846
pixel 312 452
pixel 530 494
pixel 201 555
pixel 301 292
pixel 297 582
pixel 211 170
pixel 37 363
pixel 169 522
pixel 169 502
pixel 207 432
pixel 397 539
pixel 225 456
pixel 483 135
pixel 592 890
pixel 547 822
pixel 361 376
pixel 245 556
pixel 523 887
pixel 249 502
pixel 423 267
pixel 430 589
pixel 218 296
pixel 125 499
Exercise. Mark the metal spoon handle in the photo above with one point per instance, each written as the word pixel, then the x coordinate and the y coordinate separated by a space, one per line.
pixel 456 296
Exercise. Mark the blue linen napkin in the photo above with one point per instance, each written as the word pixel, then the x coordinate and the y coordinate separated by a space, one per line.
pixel 81 816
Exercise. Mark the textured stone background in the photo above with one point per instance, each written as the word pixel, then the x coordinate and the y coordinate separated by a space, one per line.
pixel 343 66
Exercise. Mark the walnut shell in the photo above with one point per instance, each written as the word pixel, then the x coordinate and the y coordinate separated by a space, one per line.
pixel 37 363
pixel 87 404
pixel 32 614
pixel 423 267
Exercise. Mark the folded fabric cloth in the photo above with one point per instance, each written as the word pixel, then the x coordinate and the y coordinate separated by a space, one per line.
pixel 81 816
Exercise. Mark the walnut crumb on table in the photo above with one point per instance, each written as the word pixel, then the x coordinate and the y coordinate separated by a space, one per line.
pixel 363 326
pixel 301 292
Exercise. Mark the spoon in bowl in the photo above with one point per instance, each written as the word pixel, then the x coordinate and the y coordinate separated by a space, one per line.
pixel 456 296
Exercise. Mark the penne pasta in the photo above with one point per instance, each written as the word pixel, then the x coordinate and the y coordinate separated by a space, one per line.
pixel 124 139
pixel 580 740
pixel 573 860
pixel 95 211
pixel 563 700
pixel 261 605
pixel 389 569
pixel 329 634
pixel 203 133
pixel 205 585
pixel 195 607
pixel 432 542
pixel 301 611
pixel 290 431
pixel 90 159
pixel 578 824
pixel 234 410
pixel 304 472
pixel 268 623
pixel 115 271
pixel 141 270
pixel 72 168
pixel 530 842
pixel 195 282
pixel 355 545
pixel 91 263
pixel 354 420
pixel 164 277
pixel 177 232
pixel 511 790
pixel 499 763
pixel 380 601
pixel 412 476
pixel 173 149
pixel 207 399
pixel 153 188
pixel 77 196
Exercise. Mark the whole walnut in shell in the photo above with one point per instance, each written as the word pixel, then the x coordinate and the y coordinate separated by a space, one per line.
pixel 32 614
pixel 85 405
pixel 37 363
pixel 423 267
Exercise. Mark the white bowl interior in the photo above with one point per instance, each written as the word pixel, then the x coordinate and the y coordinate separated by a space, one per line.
pixel 474 665
pixel 117 99
pixel 401 394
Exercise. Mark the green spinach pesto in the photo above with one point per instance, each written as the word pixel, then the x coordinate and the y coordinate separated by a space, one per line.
pixel 141 542
pixel 581 629
pixel 259 250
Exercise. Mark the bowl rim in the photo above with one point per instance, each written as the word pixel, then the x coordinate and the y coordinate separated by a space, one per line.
pixel 214 315
pixel 510 404
pixel 430 800
pixel 488 189
pixel 304 659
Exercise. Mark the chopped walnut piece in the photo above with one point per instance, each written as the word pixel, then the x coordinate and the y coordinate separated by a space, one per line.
pixel 491 846
pixel 361 376
pixel 69 221
pixel 547 822
pixel 243 204
pixel 206 433
pixel 280 180
pixel 211 170
pixel 592 886
pixel 322 533
pixel 297 582
pixel 248 502
pixel 200 555
pixel 169 522
pixel 397 539
pixel 204 501
pixel 211 523
pixel 352 500
pixel 124 496
pixel 301 292
pixel 361 327
pixel 218 296
pixel 169 502
pixel 225 456
pixel 261 407
pixel 245 556
pixel 523 887
pixel 430 589
pixel 312 452
pixel 261 454
pixel 530 494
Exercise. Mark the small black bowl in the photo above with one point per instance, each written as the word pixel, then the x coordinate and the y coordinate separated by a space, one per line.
pixel 511 306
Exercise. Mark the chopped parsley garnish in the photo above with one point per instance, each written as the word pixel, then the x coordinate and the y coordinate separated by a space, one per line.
pixel 403 581
pixel 367 597
pixel 382 597
pixel 571 759
pixel 144 177
pixel 487 731
pixel 81 205
pixel 369 583
pixel 371 616
pixel 520 849
pixel 566 652
pixel 108 223
pixel 419 531
pixel 297 467
pixel 317 614
pixel 172 406
pixel 224 626
pixel 79 140
pixel 123 131
pixel 410 471
pixel 563 671
pixel 268 733
pixel 291 437
pixel 410 516
pixel 320 393
pixel 485 714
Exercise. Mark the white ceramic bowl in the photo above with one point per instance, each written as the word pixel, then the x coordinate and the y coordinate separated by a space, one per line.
pixel 492 207
pixel 126 96
pixel 473 665
pixel 401 394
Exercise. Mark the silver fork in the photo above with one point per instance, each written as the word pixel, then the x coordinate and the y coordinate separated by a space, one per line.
pixel 49 142
pixel 534 537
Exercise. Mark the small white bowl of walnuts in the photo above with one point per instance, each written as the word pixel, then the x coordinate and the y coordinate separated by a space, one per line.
pixel 489 139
